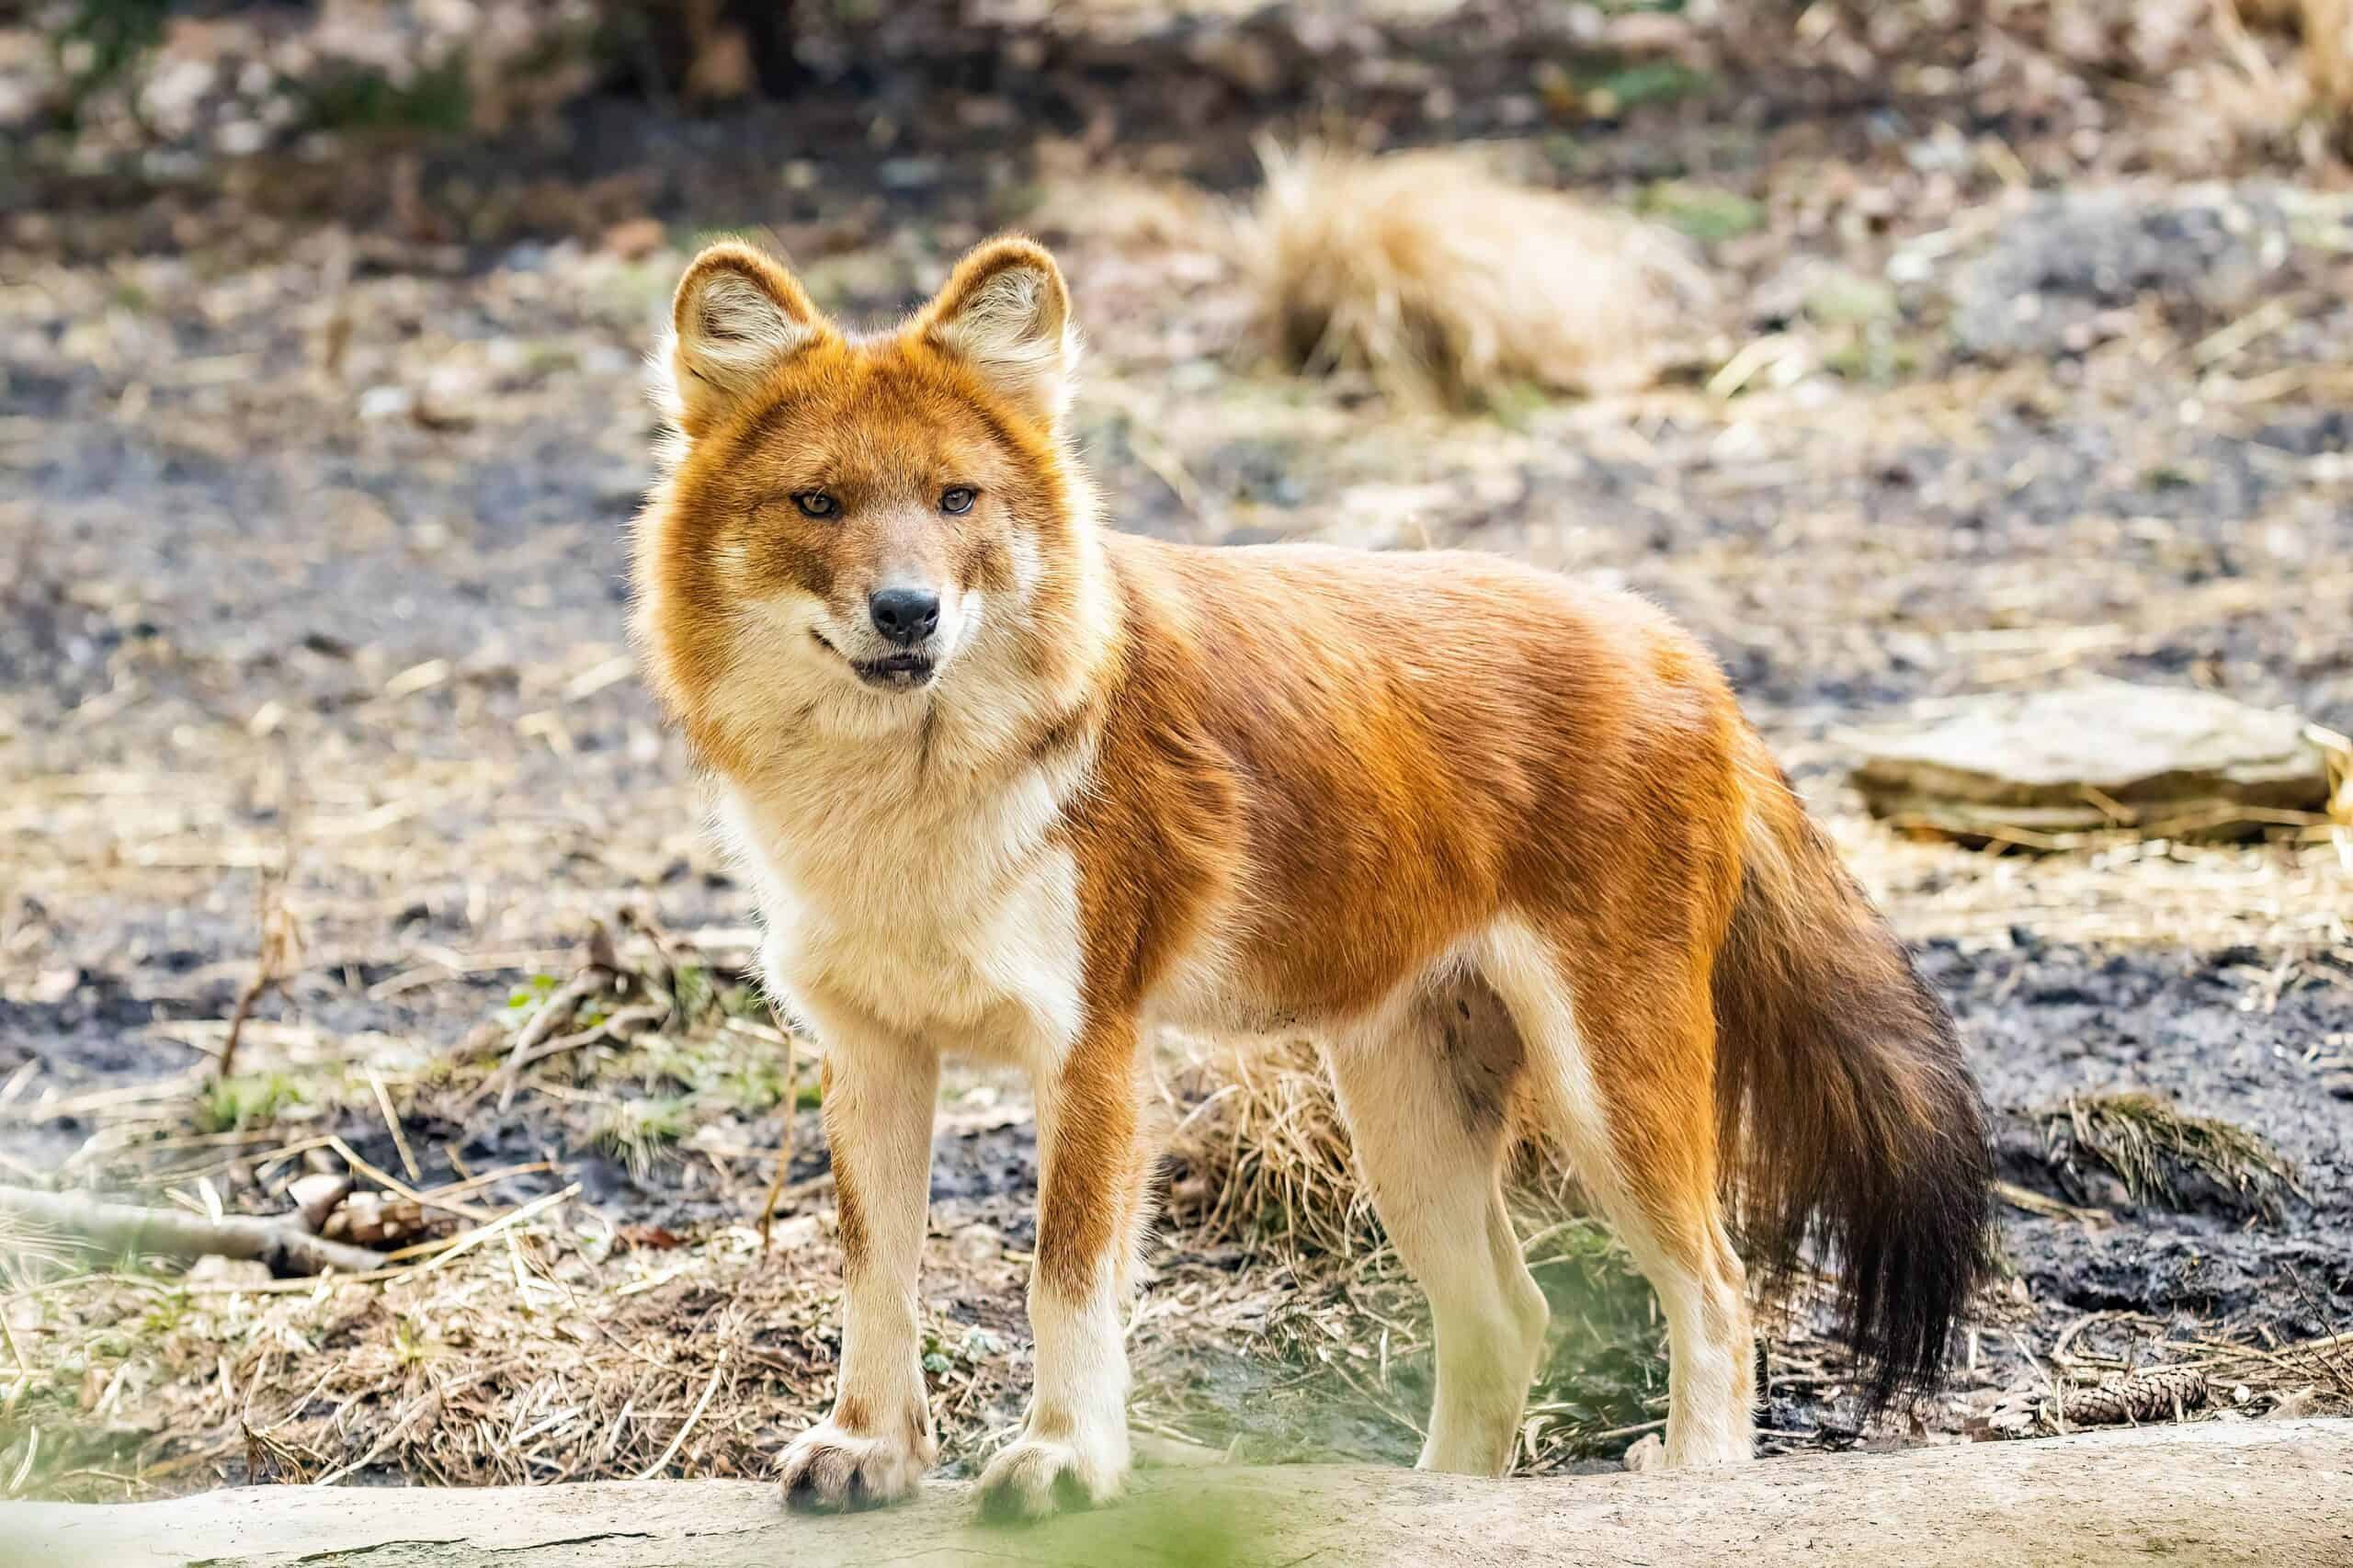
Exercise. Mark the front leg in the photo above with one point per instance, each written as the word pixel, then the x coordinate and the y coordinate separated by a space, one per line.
pixel 1072 1452
pixel 878 1093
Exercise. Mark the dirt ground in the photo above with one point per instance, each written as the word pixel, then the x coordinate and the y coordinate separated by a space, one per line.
pixel 311 621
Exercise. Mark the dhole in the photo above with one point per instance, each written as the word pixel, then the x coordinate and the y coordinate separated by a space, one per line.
pixel 1013 785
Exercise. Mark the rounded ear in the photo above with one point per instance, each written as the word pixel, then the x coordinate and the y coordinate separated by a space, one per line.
pixel 1005 313
pixel 737 316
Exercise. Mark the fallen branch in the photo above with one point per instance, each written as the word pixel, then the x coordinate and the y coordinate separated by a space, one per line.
pixel 92 1224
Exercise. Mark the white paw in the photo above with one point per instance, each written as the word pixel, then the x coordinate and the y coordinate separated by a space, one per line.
pixel 1035 1477
pixel 831 1470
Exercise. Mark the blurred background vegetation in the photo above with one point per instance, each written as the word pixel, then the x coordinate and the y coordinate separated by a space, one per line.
pixel 238 77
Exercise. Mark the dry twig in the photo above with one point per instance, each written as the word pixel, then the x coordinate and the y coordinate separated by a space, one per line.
pixel 784 1141
pixel 279 943
pixel 119 1229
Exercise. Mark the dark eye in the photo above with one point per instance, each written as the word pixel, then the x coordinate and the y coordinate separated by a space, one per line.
pixel 817 504
pixel 957 498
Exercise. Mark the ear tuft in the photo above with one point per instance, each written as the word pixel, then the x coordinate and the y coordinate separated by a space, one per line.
pixel 1007 314
pixel 737 316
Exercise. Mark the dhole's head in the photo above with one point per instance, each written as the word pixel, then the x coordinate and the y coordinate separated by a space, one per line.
pixel 853 522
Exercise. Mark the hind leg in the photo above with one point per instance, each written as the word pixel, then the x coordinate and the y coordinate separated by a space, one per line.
pixel 1630 1069
pixel 1426 1086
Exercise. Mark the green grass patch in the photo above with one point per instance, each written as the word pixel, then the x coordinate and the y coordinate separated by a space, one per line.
pixel 437 99
pixel 532 991
pixel 641 1133
pixel 1876 356
pixel 1710 214
pixel 1647 82
pixel 236 1102
pixel 99 40
pixel 1605 1367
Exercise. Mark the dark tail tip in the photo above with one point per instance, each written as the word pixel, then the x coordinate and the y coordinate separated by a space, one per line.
pixel 1909 1232
pixel 1858 1139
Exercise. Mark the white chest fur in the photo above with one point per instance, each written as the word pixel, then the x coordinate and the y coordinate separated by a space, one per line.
pixel 944 915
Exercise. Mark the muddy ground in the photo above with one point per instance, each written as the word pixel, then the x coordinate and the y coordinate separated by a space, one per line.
pixel 312 556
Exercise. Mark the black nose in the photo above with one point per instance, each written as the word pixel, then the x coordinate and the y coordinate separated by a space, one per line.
pixel 906 615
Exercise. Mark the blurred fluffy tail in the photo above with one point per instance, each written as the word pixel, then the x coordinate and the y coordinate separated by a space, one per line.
pixel 1850 1126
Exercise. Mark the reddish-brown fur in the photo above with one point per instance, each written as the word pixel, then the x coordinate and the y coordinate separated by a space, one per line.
pixel 1336 771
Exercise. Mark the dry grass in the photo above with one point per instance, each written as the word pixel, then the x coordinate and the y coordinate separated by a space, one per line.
pixel 2327 28
pixel 554 1352
pixel 1263 1155
pixel 1081 202
pixel 2287 900
pixel 2161 1152
pixel 512 1372
pixel 1443 281
pixel 2268 102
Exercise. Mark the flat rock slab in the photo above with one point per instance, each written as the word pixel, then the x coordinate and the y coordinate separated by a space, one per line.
pixel 2100 755
pixel 2276 1493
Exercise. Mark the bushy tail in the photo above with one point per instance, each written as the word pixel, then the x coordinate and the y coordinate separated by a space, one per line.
pixel 1851 1127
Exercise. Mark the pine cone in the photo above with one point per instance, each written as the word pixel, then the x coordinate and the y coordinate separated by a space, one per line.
pixel 375 1220
pixel 2160 1394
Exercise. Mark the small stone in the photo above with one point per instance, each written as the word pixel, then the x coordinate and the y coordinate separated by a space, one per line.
pixel 242 1273
pixel 976 1245
pixel 798 1230
pixel 387 401
pixel 454 393
pixel 240 138
pixel 315 1196
pixel 52 986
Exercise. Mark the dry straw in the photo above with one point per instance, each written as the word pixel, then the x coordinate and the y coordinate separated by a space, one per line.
pixel 2327 27
pixel 1261 1154
pixel 2162 1152
pixel 1444 281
